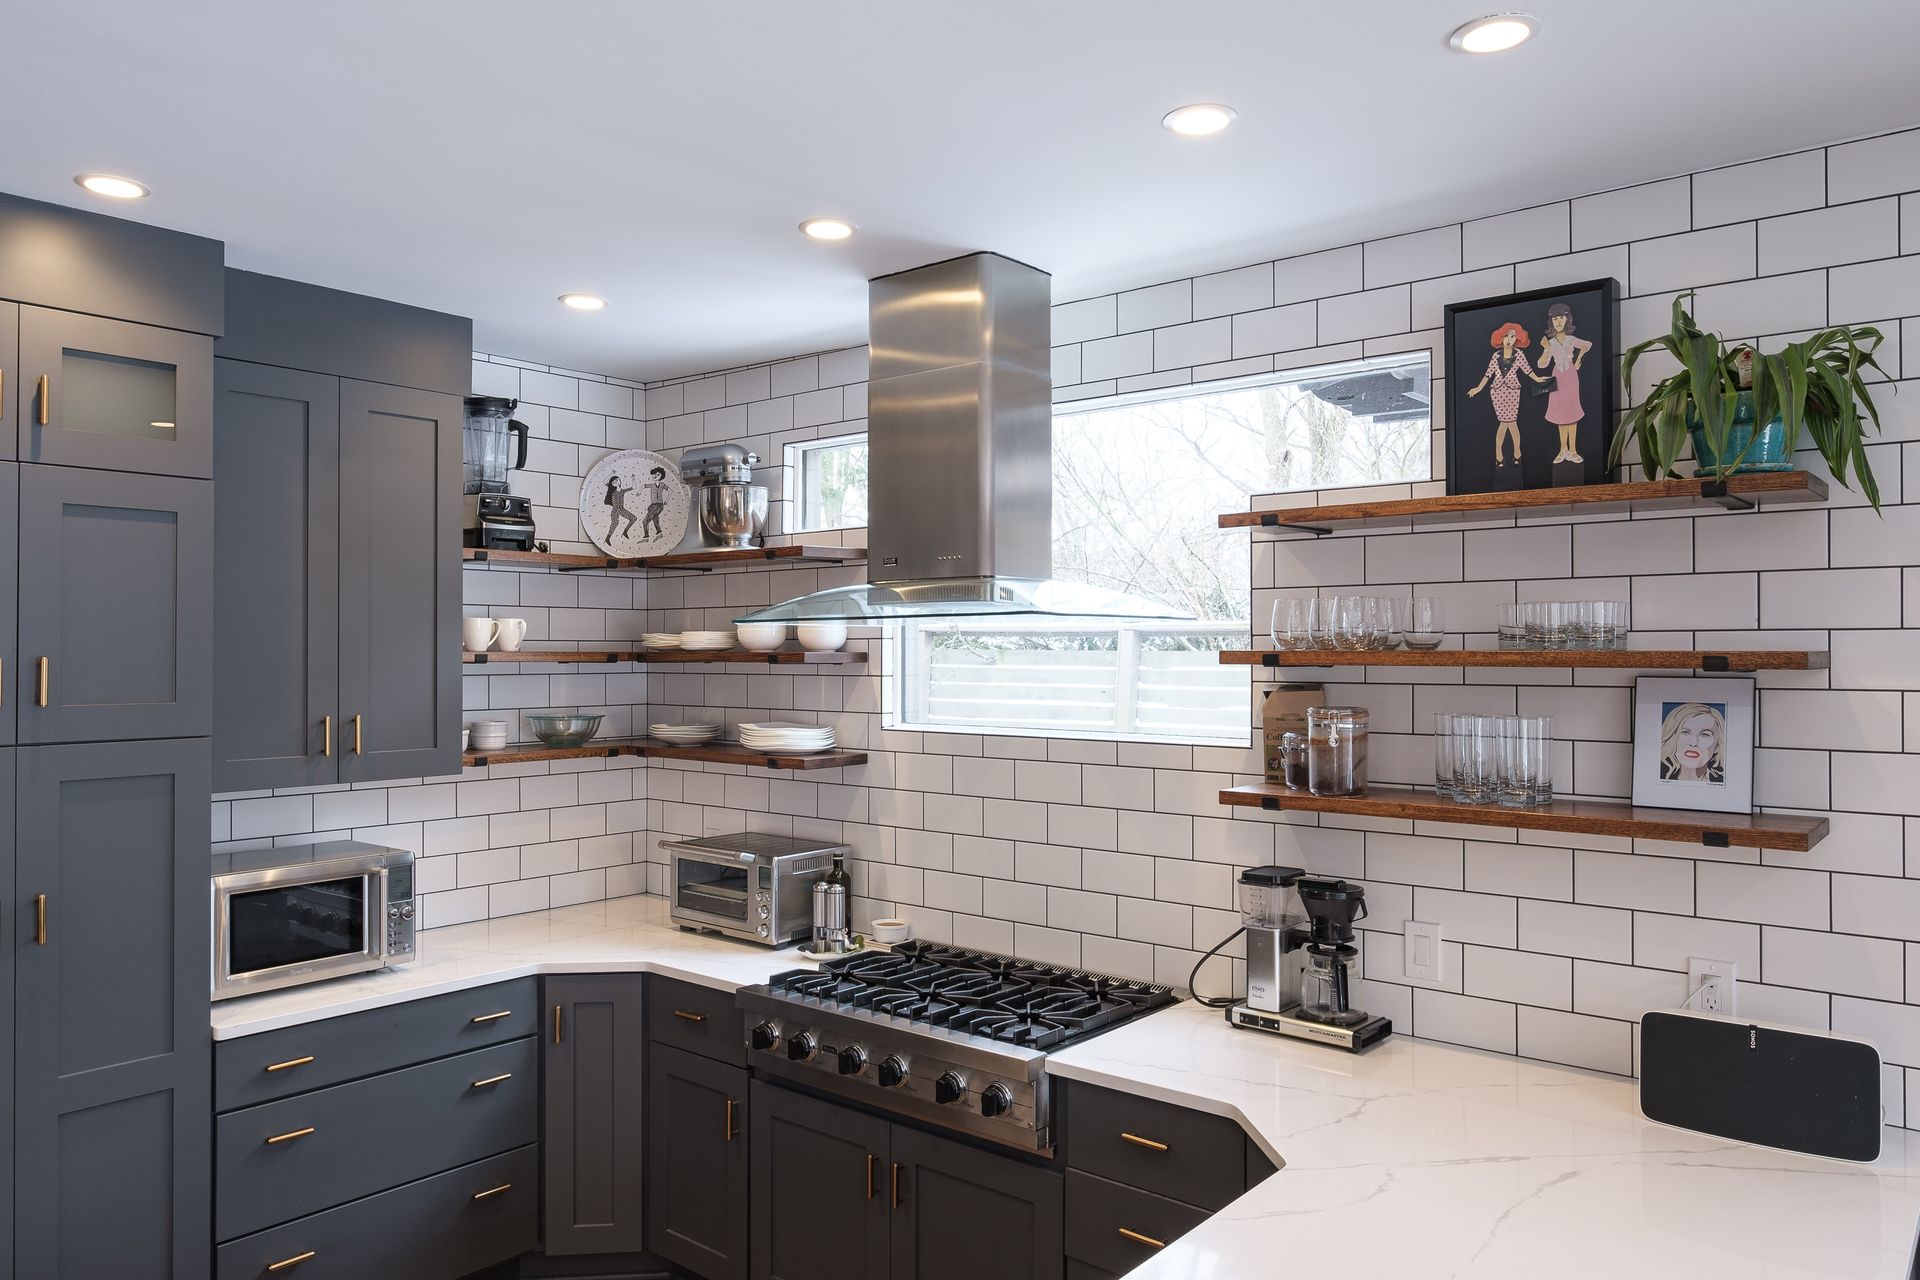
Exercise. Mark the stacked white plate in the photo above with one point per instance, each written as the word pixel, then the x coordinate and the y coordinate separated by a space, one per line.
pixel 488 735
pixel 708 641
pixel 660 640
pixel 785 738
pixel 684 735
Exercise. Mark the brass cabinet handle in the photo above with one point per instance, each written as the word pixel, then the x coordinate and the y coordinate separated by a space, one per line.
pixel 490 1192
pixel 731 1104
pixel 689 1015
pixel 896 1184
pixel 490 1080
pixel 46 399
pixel 1148 1143
pixel 326 735
pixel 493 1017
pixel 294 1261
pixel 279 1138
pixel 289 1063
pixel 40 919
pixel 41 694
pixel 356 735
pixel 556 1024
pixel 1136 1237
pixel 872 1160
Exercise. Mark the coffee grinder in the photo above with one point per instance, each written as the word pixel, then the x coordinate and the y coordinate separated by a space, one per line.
pixel 1300 970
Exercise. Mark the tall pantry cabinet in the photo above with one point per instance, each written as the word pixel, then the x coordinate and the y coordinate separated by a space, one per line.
pixel 106 551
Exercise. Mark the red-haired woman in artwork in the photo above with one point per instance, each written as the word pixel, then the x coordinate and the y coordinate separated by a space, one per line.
pixel 1503 371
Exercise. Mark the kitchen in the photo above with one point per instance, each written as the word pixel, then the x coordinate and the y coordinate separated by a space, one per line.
pixel 1067 617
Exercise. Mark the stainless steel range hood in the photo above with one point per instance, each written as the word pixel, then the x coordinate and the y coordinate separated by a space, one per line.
pixel 960 455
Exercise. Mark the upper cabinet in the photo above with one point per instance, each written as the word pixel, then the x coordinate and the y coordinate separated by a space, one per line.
pixel 9 377
pixel 113 395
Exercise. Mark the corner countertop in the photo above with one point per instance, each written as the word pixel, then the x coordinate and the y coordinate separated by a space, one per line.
pixel 1422 1159
pixel 1412 1159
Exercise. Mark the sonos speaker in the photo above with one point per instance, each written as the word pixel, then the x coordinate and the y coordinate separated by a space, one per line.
pixel 1810 1091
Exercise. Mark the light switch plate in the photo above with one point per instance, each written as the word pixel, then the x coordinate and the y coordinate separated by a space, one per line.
pixel 1424 957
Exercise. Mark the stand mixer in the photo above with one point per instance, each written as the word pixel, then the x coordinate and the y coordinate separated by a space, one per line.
pixel 1300 969
pixel 729 512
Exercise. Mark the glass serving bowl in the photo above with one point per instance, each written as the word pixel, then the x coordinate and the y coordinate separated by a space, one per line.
pixel 564 730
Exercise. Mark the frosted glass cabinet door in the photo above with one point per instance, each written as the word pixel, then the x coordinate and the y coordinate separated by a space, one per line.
pixel 105 393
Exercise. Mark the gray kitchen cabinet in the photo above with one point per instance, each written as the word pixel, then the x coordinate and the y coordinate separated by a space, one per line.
pixel 821 1189
pixel 113 395
pixel 276 589
pixel 591 1136
pixel 108 928
pixel 960 1213
pixel 399 581
pixel 9 378
pixel 9 595
pixel 9 944
pixel 697 1195
pixel 115 606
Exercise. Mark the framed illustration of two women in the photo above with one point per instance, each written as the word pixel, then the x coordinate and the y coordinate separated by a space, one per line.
pixel 1531 388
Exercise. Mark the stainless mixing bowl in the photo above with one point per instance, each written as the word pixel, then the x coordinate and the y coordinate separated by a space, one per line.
pixel 736 514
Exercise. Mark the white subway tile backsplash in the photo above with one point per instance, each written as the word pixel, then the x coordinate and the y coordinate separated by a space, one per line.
pixel 1830 237
pixel 1317 275
pixel 1632 213
pixel 1873 167
pixel 1365 315
pixel 1760 188
pixel 1160 305
pixel 1226 292
pixel 1540 232
pixel 1693 258
pixel 1417 256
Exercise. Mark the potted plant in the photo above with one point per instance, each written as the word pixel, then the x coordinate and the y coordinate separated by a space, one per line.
pixel 1745 410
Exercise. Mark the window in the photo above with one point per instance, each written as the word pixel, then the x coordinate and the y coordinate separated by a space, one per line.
pixel 1138 484
pixel 827 483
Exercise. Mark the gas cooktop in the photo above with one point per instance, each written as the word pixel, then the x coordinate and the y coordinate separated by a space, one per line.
pixel 955 1036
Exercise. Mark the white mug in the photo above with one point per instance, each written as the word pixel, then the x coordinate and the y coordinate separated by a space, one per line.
pixel 511 632
pixel 478 634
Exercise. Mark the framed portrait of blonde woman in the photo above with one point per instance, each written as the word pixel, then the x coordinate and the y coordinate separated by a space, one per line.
pixel 1693 743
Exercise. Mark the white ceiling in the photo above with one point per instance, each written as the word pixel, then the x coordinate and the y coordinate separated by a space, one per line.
pixel 483 156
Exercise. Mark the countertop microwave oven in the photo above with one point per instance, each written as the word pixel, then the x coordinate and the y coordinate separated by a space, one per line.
pixel 304 913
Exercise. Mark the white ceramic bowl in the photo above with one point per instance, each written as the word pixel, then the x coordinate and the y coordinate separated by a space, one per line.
pixel 821 637
pixel 761 637
pixel 889 931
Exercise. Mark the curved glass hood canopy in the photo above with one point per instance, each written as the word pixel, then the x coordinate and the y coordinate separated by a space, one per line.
pixel 998 597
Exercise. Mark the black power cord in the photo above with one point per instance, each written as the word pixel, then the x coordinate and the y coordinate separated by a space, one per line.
pixel 1213 1002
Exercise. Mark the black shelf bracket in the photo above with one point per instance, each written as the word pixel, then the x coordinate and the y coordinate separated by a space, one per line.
pixel 1270 804
pixel 608 562
pixel 1715 662
pixel 1715 840
pixel 477 659
pixel 478 557
pixel 480 762
pixel 1269 521
pixel 1716 491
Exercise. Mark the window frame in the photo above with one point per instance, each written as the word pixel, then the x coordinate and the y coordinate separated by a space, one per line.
pixel 794 485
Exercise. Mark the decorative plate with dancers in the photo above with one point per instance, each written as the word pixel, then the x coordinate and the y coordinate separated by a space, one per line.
pixel 633 503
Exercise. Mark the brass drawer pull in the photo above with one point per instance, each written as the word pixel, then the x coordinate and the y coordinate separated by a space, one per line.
pixel 1137 1238
pixel 279 1138
pixel 492 1017
pixel 872 1160
pixel 40 693
pixel 40 919
pixel 326 735
pixel 490 1192
pixel 689 1015
pixel 731 1104
pixel 356 735
pixel 289 1063
pixel 556 1024
pixel 46 399
pixel 294 1261
pixel 1148 1143
pixel 492 1080
pixel 896 1185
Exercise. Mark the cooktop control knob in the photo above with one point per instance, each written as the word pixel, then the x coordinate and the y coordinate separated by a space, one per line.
pixel 853 1060
pixel 892 1071
pixel 764 1037
pixel 996 1100
pixel 800 1047
pixel 406 912
pixel 950 1087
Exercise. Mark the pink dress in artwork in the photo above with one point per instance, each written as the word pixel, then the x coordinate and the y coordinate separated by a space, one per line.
pixel 1503 386
pixel 1563 403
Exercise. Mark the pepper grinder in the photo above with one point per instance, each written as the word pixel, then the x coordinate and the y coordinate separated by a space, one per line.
pixel 830 932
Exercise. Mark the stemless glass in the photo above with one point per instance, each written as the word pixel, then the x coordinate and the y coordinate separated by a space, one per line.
pixel 1515 788
pixel 1395 614
pixel 1424 627
pixel 1350 626
pixel 1293 623
pixel 1513 632
pixel 1610 621
pixel 1537 733
pixel 1443 781
pixel 1476 764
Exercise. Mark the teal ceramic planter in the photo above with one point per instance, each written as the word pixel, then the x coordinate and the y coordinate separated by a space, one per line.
pixel 1768 451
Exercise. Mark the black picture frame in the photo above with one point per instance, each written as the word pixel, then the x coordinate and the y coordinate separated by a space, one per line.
pixel 1480 448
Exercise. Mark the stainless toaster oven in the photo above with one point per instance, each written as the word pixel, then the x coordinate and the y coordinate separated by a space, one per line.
pixel 304 913
pixel 751 886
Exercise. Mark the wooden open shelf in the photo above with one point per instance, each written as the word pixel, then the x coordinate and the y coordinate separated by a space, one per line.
pixel 1790 833
pixel 653 749
pixel 703 560
pixel 1735 491
pixel 777 658
pixel 1619 659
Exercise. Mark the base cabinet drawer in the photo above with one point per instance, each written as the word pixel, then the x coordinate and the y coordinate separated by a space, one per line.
pixel 1117 1228
pixel 698 1019
pixel 440 1228
pixel 280 1161
pixel 1172 1151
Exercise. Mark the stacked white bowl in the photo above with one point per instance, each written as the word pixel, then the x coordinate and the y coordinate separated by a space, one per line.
pixel 684 735
pixel 785 738
pixel 488 735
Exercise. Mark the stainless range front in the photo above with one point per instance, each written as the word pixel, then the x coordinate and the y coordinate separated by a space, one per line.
pixel 952 1037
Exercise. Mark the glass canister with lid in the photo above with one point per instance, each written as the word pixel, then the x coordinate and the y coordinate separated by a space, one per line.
pixel 1337 751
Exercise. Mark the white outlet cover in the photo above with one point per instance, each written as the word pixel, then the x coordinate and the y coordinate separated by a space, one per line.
pixel 1727 971
pixel 1424 959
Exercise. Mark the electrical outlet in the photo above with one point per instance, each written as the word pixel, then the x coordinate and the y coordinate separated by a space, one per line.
pixel 1713 985
pixel 1424 956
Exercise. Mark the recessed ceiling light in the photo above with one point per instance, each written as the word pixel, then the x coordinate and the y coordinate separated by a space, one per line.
pixel 1495 33
pixel 1198 119
pixel 106 184
pixel 584 301
pixel 827 228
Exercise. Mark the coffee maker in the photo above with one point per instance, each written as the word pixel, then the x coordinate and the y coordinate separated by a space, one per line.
pixel 1300 967
pixel 493 517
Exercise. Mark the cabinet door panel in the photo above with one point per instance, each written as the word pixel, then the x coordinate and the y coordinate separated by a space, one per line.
pixel 116 597
pixel 592 1135
pixel 119 396
pixel 276 582
pixel 9 593
pixel 9 379
pixel 8 947
pixel 399 582
pixel 113 1065
pixel 949 1191
pixel 697 1163
pixel 820 1189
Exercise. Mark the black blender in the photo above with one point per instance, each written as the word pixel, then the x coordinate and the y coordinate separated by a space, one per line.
pixel 1324 1009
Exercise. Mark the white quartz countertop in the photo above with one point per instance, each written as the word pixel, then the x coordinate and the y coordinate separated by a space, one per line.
pixel 1417 1159
pixel 1411 1160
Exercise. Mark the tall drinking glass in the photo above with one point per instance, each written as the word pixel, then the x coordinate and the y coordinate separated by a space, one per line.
pixel 1443 781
